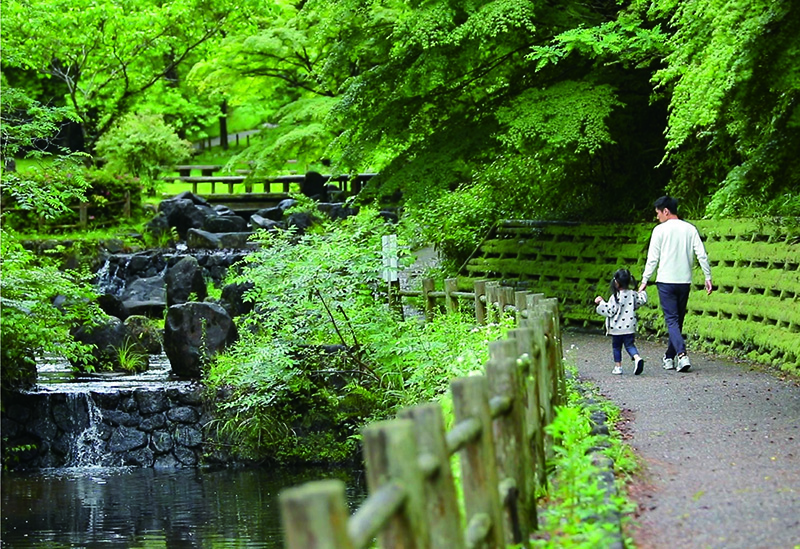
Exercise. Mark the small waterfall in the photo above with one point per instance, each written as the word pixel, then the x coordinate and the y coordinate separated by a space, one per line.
pixel 87 448
pixel 111 276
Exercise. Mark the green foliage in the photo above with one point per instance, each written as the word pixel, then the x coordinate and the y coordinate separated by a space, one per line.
pixel 26 123
pixel 140 145
pixel 48 187
pixel 112 57
pixel 49 193
pixel 130 358
pixel 323 353
pixel 31 323
pixel 733 83
pixel 568 114
pixel 577 508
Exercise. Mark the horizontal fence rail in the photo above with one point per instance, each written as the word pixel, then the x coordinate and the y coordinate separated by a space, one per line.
pixel 489 298
pixel 85 210
pixel 252 183
pixel 499 438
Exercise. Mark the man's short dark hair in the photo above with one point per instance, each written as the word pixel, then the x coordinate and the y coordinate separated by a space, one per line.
pixel 667 203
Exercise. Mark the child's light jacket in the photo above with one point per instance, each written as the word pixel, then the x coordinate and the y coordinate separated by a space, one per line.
pixel 620 311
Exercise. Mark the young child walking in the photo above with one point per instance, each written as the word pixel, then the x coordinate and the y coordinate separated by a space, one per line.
pixel 620 315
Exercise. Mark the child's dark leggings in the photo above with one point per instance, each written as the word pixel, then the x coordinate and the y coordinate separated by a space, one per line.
pixel 617 341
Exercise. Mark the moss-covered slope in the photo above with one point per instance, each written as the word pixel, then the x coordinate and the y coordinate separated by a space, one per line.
pixel 754 312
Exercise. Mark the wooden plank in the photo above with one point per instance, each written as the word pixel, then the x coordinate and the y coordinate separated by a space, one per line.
pixel 478 462
pixel 509 439
pixel 441 503
pixel 390 454
pixel 314 516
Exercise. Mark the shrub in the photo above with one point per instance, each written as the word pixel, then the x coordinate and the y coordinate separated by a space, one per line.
pixel 140 145
pixel 39 304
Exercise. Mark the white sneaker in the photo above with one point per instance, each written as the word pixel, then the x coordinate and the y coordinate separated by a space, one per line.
pixel 617 370
pixel 638 366
pixel 683 363
pixel 668 363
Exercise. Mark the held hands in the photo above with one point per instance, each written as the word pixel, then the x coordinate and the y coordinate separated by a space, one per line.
pixel 642 286
pixel 598 300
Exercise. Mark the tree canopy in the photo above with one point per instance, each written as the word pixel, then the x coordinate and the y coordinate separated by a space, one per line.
pixel 516 108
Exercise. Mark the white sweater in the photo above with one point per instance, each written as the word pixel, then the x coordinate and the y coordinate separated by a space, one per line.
pixel 619 311
pixel 672 247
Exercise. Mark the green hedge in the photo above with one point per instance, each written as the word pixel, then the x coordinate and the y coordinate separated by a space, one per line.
pixel 754 311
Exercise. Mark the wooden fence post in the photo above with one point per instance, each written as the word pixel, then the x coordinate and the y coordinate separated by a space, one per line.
pixel 315 516
pixel 529 356
pixel 492 299
pixel 428 286
pixel 541 364
pixel 478 465
pixel 441 502
pixel 554 356
pixel 480 302
pixel 511 450
pixel 521 304
pixel 390 454
pixel 450 301
pixel 502 301
pixel 83 215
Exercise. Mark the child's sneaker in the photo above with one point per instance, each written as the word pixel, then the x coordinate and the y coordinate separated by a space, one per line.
pixel 617 370
pixel 683 363
pixel 638 366
pixel 668 363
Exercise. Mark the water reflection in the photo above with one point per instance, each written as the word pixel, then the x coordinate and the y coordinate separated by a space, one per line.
pixel 141 507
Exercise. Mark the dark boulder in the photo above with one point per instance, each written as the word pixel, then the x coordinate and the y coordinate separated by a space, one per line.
pixel 275 213
pixel 183 279
pixel 287 203
pixel 145 296
pixel 259 222
pixel 107 338
pixel 225 224
pixel 144 333
pixel 186 211
pixel 232 298
pixel 194 332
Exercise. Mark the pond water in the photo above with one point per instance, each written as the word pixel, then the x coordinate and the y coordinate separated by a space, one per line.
pixel 144 508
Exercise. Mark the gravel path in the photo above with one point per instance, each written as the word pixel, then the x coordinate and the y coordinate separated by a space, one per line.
pixel 720 446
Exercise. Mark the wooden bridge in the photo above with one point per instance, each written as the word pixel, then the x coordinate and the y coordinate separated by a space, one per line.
pixel 245 192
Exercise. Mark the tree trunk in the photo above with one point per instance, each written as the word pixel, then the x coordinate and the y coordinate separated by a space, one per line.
pixel 223 125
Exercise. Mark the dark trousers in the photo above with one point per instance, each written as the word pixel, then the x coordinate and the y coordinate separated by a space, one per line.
pixel 617 341
pixel 674 298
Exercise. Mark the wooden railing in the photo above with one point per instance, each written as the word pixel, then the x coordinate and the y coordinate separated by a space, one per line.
pixel 498 435
pixel 251 183
pixel 504 298
pixel 85 217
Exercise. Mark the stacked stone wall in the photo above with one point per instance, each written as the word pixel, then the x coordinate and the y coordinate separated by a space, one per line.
pixel 141 427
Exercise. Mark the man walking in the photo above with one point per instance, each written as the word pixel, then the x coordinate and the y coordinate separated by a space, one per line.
pixel 673 246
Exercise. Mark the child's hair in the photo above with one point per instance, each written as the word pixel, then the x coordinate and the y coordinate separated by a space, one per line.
pixel 623 279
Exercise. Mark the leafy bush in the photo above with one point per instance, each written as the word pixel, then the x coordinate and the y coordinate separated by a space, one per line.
pixel 50 193
pixel 38 305
pixel 140 145
pixel 323 353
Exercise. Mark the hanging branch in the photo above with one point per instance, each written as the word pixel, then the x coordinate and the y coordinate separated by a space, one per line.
pixel 352 355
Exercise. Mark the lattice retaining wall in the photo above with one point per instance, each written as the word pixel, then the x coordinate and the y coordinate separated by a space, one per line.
pixel 754 311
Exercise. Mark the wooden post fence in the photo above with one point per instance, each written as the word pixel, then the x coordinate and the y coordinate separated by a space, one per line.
pixel 498 435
